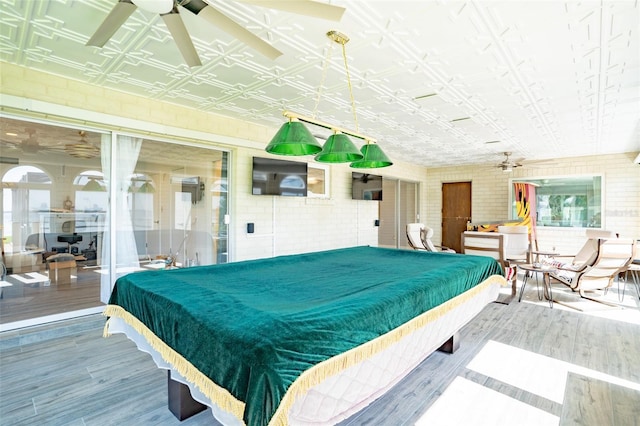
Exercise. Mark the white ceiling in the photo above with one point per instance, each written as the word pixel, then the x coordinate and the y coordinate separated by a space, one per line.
pixel 545 79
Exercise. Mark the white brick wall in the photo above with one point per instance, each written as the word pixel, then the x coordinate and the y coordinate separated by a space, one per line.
pixel 290 225
pixel 491 189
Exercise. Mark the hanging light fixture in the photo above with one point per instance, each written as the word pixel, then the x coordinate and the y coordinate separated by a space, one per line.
pixel 83 148
pixel 93 185
pixel 293 138
pixel 374 157
pixel 146 188
pixel 338 148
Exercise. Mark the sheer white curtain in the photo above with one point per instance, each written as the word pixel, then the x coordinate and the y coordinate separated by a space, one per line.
pixel 126 253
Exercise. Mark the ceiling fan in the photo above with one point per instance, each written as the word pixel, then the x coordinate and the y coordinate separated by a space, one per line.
pixel 508 164
pixel 82 148
pixel 169 10
pixel 29 145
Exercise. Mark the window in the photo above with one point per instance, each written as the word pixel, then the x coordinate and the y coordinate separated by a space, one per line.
pixel 570 202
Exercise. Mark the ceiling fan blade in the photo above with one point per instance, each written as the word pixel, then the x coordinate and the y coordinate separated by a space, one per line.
pixel 303 7
pixel 234 29
pixel 180 35
pixel 154 6
pixel 114 20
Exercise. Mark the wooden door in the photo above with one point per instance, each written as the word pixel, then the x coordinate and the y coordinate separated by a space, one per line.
pixel 456 212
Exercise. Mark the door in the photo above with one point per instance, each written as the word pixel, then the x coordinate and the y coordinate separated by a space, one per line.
pixel 456 212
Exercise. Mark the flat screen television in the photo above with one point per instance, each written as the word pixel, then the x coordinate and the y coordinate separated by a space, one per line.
pixel 279 177
pixel 365 186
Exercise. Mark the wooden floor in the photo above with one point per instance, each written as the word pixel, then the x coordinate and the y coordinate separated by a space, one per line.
pixel 522 363
pixel 28 298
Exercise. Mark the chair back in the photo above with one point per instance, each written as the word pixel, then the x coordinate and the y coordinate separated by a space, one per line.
pixel 589 251
pixel 517 247
pixel 485 244
pixel 600 233
pixel 427 233
pixel 587 254
pixel 614 256
pixel 413 235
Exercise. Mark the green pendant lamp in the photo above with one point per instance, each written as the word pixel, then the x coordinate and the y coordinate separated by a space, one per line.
pixel 293 138
pixel 373 157
pixel 94 186
pixel 338 149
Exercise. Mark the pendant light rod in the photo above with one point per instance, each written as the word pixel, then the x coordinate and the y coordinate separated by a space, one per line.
pixel 295 116
pixel 342 40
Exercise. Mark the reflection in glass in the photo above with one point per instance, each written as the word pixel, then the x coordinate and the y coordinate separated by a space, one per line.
pixel 572 202
pixel 168 201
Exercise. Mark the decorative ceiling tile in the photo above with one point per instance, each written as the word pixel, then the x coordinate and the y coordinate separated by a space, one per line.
pixel 542 78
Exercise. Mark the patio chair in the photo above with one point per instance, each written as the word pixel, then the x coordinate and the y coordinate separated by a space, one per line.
pixel 613 257
pixel 419 237
pixel 413 236
pixel 568 265
pixel 516 244
pixel 425 235
pixel 490 244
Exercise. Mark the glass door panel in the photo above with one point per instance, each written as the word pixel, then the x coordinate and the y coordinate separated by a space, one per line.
pixel 61 195
pixel 177 205
pixel 408 208
pixel 388 230
pixel 398 207
pixel 53 210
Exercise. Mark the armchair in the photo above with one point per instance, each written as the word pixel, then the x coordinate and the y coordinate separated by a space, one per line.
pixel 419 237
pixel 490 244
pixel 613 256
pixel 568 265
pixel 517 247
pixel 425 235
pixel 413 236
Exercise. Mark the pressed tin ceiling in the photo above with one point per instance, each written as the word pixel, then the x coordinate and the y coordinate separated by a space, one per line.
pixel 434 81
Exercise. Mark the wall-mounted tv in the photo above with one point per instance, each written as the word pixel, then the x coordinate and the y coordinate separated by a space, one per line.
pixel 279 177
pixel 365 186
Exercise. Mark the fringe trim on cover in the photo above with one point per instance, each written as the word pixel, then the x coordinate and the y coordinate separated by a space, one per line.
pixel 338 363
pixel 217 394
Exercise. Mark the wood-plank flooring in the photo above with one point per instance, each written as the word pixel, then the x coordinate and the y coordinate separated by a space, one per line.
pixel 523 361
pixel 22 301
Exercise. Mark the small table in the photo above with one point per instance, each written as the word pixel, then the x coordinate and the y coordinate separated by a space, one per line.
pixel 546 280
pixel 539 253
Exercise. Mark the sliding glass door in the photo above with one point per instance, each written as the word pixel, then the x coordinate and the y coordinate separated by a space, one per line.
pixel 83 207
pixel 398 207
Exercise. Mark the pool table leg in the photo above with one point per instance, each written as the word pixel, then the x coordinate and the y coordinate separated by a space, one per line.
pixel 451 345
pixel 181 403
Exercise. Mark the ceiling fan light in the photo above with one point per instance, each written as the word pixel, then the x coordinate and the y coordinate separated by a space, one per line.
pixel 338 149
pixel 82 150
pixel 507 169
pixel 293 138
pixel 373 158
